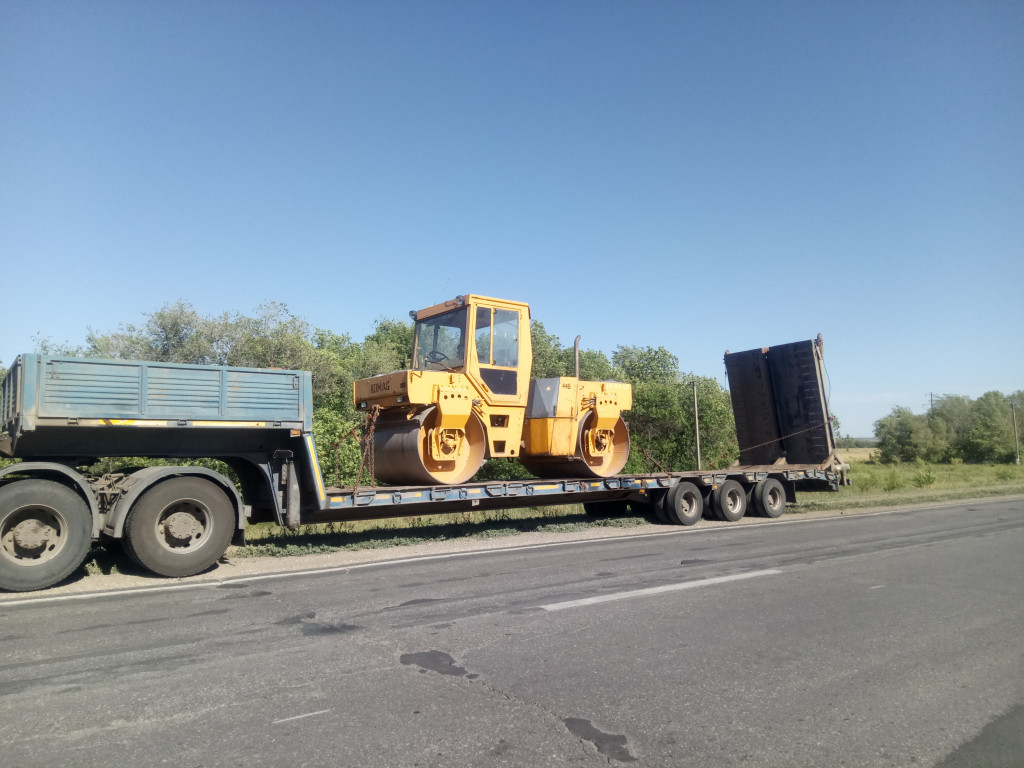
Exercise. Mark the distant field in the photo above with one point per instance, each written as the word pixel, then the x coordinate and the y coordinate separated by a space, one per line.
pixel 855 454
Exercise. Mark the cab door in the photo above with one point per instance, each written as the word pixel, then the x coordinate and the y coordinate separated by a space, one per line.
pixel 502 357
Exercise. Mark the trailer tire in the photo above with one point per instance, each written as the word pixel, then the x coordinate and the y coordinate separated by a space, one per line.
pixel 45 534
pixel 661 508
pixel 684 504
pixel 769 498
pixel 179 527
pixel 729 501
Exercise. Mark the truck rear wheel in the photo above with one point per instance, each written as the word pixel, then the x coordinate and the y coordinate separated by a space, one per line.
pixel 45 534
pixel 769 498
pixel 179 527
pixel 729 501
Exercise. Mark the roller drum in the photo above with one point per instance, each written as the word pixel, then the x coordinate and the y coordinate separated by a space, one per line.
pixel 584 463
pixel 402 452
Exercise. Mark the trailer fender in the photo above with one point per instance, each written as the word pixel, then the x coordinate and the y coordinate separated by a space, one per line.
pixel 141 481
pixel 67 476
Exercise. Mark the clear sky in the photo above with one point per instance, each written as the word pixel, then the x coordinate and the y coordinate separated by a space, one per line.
pixel 696 175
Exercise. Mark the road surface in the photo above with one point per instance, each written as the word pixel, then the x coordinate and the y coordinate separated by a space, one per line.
pixel 880 640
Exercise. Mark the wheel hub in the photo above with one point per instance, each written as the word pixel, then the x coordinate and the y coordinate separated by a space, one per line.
pixel 32 535
pixel 181 528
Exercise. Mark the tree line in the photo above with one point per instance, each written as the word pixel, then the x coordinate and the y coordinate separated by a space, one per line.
pixel 661 420
pixel 955 429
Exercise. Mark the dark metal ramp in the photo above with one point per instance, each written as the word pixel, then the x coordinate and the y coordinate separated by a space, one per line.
pixel 779 403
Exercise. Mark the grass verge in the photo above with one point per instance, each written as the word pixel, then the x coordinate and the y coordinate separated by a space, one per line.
pixel 269 540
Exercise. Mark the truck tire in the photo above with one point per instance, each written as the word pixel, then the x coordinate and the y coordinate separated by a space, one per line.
pixel 179 527
pixel 684 504
pixel 729 501
pixel 45 534
pixel 769 498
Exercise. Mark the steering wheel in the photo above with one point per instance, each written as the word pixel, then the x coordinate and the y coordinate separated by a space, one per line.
pixel 436 357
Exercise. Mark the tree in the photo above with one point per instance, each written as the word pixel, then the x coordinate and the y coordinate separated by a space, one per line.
pixel 548 354
pixel 991 435
pixel 906 436
pixel 662 423
pixel 175 333
pixel 388 348
pixel 951 419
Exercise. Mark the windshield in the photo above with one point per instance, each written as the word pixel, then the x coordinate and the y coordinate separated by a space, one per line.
pixel 440 342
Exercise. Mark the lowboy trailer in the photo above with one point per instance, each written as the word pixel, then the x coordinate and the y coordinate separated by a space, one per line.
pixel 61 413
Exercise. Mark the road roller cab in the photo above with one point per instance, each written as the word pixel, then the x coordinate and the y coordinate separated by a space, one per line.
pixel 466 399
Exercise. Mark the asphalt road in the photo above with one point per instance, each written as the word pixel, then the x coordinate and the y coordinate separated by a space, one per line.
pixel 885 640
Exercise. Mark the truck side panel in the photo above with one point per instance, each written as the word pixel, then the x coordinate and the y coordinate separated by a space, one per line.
pixel 59 406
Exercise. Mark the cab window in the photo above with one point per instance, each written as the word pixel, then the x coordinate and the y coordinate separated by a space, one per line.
pixel 497 348
pixel 440 342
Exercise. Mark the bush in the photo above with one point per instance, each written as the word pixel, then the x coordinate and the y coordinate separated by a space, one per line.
pixel 924 477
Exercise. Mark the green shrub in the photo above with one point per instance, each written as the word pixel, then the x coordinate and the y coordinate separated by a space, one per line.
pixel 924 477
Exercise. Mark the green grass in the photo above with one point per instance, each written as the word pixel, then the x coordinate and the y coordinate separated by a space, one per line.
pixel 890 485
pixel 269 540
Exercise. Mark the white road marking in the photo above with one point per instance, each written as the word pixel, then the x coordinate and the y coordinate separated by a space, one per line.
pixel 655 590
pixel 300 717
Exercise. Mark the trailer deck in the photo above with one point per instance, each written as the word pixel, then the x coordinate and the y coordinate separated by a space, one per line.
pixel 372 502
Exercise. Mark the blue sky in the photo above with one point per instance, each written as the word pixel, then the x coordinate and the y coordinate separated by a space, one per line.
pixel 697 175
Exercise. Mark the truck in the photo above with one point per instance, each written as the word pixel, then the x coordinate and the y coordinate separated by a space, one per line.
pixel 175 517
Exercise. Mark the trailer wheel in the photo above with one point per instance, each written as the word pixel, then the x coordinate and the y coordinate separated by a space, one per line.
pixel 179 527
pixel 661 508
pixel 769 498
pixel 684 504
pixel 45 534
pixel 729 501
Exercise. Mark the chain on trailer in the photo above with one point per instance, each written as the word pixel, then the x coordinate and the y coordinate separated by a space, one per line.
pixel 366 451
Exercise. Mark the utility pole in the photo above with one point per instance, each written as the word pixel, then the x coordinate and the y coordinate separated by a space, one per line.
pixel 1013 412
pixel 696 424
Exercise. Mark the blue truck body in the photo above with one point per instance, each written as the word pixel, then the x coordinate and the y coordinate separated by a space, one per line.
pixel 44 396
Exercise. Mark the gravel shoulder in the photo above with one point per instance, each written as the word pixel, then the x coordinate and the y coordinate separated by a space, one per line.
pixel 236 568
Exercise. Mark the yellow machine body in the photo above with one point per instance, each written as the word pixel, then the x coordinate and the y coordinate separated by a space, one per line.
pixel 469 396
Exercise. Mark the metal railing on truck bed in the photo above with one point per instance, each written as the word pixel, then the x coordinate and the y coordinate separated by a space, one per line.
pixel 141 408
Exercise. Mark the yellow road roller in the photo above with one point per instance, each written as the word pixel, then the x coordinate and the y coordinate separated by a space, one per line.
pixel 469 397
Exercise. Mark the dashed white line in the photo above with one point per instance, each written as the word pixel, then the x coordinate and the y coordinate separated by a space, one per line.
pixel 655 590
pixel 300 717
